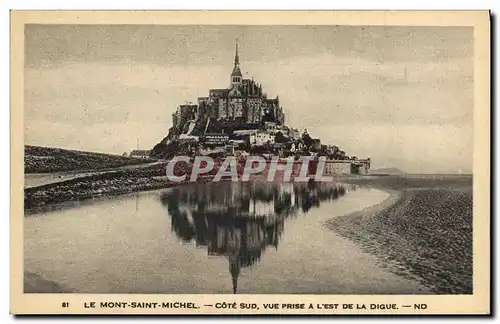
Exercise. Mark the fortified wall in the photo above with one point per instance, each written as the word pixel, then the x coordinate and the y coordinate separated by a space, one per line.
pixel 338 167
pixel 335 167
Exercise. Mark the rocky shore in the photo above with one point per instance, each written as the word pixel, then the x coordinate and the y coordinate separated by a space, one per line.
pixel 95 185
pixel 424 230
pixel 110 183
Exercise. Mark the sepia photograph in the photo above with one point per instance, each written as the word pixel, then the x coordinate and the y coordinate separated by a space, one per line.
pixel 250 159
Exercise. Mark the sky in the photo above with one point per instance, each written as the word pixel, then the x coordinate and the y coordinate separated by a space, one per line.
pixel 402 96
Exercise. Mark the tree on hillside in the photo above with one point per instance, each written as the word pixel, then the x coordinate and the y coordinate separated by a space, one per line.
pixel 334 149
pixel 307 140
pixel 268 116
pixel 280 138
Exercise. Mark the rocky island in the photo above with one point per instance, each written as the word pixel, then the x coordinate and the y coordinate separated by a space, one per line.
pixel 243 120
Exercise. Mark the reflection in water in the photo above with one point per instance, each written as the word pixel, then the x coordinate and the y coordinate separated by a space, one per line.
pixel 241 220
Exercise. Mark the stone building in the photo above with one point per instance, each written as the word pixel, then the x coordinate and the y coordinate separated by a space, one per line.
pixel 215 139
pixel 260 138
pixel 184 114
pixel 140 154
pixel 243 100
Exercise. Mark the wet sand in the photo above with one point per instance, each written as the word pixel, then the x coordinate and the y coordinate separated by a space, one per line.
pixel 34 283
pixel 423 230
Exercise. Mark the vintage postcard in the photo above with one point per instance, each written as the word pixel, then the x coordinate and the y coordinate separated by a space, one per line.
pixel 239 162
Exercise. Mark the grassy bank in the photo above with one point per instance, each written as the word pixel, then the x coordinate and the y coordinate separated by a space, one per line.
pixel 47 159
pixel 423 230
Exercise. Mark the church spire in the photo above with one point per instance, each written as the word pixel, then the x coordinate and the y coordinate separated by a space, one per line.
pixel 236 76
pixel 236 57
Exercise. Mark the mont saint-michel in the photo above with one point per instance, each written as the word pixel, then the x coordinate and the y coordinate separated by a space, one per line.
pixel 240 120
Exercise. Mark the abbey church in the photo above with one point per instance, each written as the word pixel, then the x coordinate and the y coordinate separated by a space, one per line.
pixel 243 101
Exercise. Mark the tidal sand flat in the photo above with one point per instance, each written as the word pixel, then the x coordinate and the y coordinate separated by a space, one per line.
pixel 423 230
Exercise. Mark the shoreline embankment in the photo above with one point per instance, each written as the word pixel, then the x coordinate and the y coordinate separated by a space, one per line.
pixel 112 183
pixel 117 182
